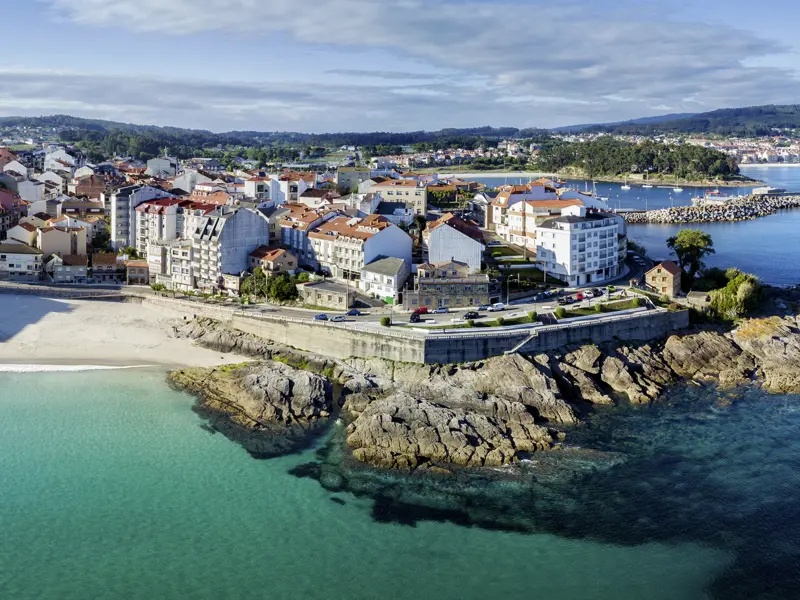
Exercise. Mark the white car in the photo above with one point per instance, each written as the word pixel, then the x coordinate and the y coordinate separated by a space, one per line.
pixel 497 307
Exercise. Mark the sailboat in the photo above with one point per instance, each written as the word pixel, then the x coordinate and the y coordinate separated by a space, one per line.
pixel 625 185
pixel 677 187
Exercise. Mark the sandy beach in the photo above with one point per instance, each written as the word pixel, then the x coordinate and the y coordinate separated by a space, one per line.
pixel 44 331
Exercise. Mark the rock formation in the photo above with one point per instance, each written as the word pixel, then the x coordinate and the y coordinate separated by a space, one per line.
pixel 487 413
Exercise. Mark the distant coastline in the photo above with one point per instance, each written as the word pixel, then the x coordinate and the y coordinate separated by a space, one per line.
pixel 768 165
pixel 655 182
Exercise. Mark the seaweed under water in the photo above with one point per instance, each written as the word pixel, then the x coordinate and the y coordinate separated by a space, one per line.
pixel 700 466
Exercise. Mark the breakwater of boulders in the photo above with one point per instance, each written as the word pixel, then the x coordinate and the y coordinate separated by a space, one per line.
pixel 746 208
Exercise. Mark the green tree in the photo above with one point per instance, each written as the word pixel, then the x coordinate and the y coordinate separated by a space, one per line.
pixel 386 321
pixel 690 247
pixel 282 288
pixel 561 312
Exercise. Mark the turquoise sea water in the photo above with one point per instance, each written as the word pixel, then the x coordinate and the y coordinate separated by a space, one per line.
pixel 110 487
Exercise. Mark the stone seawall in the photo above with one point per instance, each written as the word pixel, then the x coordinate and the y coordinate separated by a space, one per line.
pixel 651 325
pixel 749 207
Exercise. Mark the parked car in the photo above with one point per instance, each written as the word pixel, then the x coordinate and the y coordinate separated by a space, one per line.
pixel 580 296
pixel 415 318
pixel 497 307
pixel 354 313
pixel 562 301
pixel 441 310
pixel 422 310
pixel 596 292
pixel 484 307
pixel 471 315
pixel 320 317
pixel 569 300
pixel 338 319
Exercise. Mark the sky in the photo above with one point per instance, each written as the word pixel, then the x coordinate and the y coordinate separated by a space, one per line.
pixel 393 65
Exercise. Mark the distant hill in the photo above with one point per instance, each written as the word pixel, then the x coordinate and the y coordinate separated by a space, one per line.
pixel 640 121
pixel 746 122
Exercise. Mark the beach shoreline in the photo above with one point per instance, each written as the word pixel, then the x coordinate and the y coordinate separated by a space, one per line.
pixel 38 331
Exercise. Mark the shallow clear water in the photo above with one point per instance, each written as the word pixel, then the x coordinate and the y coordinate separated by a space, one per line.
pixel 111 488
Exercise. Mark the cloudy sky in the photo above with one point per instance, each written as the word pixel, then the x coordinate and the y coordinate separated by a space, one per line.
pixel 393 65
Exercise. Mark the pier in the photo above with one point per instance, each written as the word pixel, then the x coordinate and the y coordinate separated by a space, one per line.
pixel 744 209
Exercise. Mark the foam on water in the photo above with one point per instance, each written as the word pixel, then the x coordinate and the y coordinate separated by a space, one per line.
pixel 28 368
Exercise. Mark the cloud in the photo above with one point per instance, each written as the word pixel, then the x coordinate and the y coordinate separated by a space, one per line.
pixel 536 62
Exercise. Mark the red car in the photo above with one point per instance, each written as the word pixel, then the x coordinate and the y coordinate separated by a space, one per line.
pixel 422 310
pixel 580 296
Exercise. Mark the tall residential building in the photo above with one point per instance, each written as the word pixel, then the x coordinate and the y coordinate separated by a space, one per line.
pixel 295 226
pixel 223 242
pixel 581 246
pixel 122 209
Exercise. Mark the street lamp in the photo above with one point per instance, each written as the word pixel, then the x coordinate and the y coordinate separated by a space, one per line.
pixel 508 287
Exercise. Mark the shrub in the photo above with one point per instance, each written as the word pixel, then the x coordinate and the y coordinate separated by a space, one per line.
pixel 637 302
pixel 500 321
pixel 561 312
pixel 664 299
pixel 302 277
pixel 470 323
pixel 598 308
pixel 386 322
pixel 158 287
pixel 611 289
pixel 532 316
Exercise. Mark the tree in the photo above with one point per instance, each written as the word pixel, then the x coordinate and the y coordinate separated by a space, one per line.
pixel 421 224
pixel 690 247
pixel 282 288
pixel 561 312
pixel 130 251
pixel 386 322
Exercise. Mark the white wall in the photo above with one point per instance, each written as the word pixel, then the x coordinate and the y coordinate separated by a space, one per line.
pixel 446 243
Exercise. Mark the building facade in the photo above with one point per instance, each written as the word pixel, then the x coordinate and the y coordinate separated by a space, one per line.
pixel 452 238
pixel 447 284
pixel 664 279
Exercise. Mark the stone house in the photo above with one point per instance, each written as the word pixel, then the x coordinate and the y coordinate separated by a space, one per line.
pixel 664 279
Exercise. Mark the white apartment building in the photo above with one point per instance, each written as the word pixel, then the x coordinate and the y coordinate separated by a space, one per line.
pixel 171 263
pixel 263 189
pixel 55 178
pixel 343 245
pixel 582 247
pixel 123 212
pixel 189 179
pixel 291 185
pixel 32 191
pixel 223 242
pixel 156 220
pixel 60 161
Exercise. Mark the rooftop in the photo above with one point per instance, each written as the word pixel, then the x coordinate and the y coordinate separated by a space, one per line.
pixel 390 267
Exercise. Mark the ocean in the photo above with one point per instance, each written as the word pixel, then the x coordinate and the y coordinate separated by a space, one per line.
pixel 113 488
pixel 768 247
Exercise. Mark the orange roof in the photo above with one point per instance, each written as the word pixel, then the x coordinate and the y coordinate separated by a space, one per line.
pixel 267 253
pixel 669 266
pixel 460 225
pixel 351 228
pixel 399 183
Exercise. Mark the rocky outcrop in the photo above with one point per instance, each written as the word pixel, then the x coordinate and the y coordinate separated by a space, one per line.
pixel 774 346
pixel 404 432
pixel 486 413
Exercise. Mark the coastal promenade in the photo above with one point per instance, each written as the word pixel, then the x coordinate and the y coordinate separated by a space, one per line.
pixel 405 344
pixel 744 209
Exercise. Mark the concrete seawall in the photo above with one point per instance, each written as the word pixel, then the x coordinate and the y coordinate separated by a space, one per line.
pixel 344 341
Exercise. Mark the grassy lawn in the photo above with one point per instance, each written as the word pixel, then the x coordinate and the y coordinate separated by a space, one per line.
pixel 531 274
pixel 20 147
pixel 501 251
pixel 483 324
pixel 608 307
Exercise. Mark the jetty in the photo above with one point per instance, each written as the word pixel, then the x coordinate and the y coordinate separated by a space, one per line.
pixel 742 209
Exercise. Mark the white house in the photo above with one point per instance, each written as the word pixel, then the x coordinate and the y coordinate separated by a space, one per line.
pixel 32 191
pixel 188 180
pixel 262 189
pixel 20 262
pixel 84 171
pixel 343 245
pixel 452 238
pixel 17 168
pixel 384 278
pixel 55 178
pixel 163 167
